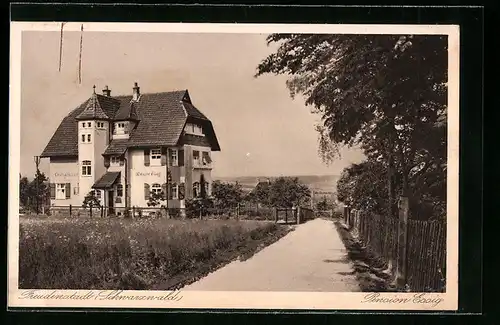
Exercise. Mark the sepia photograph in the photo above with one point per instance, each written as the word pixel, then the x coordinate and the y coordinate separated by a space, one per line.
pixel 234 166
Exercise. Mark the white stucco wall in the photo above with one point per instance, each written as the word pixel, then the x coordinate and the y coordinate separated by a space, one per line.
pixel 62 171
pixel 101 141
pixel 140 174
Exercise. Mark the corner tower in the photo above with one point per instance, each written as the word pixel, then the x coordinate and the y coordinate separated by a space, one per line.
pixel 93 137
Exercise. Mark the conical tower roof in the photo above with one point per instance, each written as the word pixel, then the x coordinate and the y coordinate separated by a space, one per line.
pixel 92 110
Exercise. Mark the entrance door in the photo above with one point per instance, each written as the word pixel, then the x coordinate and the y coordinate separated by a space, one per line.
pixel 111 203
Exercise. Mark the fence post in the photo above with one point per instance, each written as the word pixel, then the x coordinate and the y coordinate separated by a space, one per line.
pixel 102 212
pixel 401 265
pixel 238 211
pixel 133 212
pixel 275 214
pixel 298 215
pixel 346 212
pixel 286 215
pixel 70 210
pixel 91 209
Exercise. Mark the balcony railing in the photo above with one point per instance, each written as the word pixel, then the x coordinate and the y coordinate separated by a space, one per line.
pixel 200 164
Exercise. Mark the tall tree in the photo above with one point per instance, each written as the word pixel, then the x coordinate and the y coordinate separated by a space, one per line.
pixel 226 195
pixel 286 192
pixel 384 93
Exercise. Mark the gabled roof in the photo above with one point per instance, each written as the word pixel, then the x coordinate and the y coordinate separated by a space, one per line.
pixel 161 120
pixel 107 180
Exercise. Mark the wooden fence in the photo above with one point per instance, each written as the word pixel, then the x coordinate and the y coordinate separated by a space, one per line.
pixel 416 248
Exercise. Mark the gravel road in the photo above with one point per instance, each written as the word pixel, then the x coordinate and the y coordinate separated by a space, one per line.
pixel 310 258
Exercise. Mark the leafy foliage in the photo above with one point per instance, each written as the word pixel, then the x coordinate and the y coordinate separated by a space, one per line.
pixel 91 200
pixel 155 199
pixel 286 192
pixel 226 195
pixel 325 204
pixel 28 190
pixel 386 94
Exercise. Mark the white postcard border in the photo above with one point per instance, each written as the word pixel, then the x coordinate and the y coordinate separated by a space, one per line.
pixel 236 300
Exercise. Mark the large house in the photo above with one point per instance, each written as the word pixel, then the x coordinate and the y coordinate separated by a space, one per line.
pixel 127 147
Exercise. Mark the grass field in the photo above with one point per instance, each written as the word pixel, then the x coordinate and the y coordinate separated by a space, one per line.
pixel 155 254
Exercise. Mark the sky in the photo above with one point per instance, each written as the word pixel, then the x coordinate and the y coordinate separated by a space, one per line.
pixel 261 130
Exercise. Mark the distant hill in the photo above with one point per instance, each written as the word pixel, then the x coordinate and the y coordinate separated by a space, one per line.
pixel 323 183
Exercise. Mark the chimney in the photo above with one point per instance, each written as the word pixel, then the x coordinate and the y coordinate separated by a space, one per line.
pixel 106 91
pixel 136 94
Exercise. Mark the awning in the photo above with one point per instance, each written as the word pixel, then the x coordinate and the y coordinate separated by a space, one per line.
pixel 107 180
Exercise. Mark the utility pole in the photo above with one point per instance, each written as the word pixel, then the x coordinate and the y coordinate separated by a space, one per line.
pixel 37 163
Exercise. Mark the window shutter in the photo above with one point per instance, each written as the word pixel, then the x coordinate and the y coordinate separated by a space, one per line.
pixel 106 161
pixel 182 191
pixel 181 157
pixel 170 192
pixel 68 190
pixel 146 157
pixel 122 162
pixel 164 190
pixel 52 190
pixel 163 157
pixel 146 191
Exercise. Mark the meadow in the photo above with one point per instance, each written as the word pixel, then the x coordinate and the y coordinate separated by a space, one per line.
pixel 147 254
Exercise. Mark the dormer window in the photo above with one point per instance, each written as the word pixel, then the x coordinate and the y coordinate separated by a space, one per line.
pixel 115 161
pixel 100 125
pixel 121 128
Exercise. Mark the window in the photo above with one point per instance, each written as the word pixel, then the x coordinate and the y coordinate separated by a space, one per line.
pixel 155 155
pixel 120 128
pixel 173 157
pixel 97 194
pixel 194 129
pixel 100 125
pixel 89 124
pixel 175 191
pixel 83 137
pixel 76 189
pixel 88 137
pixel 86 168
pixel 196 189
pixel 83 124
pixel 207 188
pixel 206 158
pixel 196 157
pixel 119 190
pixel 115 161
pixel 60 191
pixel 156 188
pixel 197 129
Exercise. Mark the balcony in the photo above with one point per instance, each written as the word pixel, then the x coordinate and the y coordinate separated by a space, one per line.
pixel 199 164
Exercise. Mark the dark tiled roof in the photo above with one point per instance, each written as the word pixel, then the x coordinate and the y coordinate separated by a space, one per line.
pixel 64 142
pixel 109 105
pixel 127 112
pixel 116 147
pixel 193 111
pixel 107 180
pixel 93 110
pixel 161 116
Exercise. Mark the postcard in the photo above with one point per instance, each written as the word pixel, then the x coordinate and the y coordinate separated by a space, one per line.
pixel 233 166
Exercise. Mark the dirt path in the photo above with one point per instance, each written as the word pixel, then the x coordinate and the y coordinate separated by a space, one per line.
pixel 310 258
